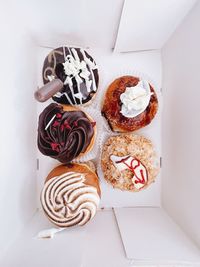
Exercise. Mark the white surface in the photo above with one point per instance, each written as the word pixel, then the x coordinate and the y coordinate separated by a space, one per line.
pixel 65 249
pixel 150 235
pixel 111 66
pixel 98 244
pixel 181 125
pixel 148 24
pixel 81 22
pixel 103 246
pixel 17 134
pixel 99 24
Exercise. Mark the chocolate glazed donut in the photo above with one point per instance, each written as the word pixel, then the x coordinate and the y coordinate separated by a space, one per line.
pixel 79 86
pixel 63 135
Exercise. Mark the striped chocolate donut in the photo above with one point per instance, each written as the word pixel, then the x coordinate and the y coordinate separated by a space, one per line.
pixel 77 70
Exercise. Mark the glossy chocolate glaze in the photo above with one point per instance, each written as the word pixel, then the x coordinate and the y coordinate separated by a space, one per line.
pixel 53 66
pixel 63 135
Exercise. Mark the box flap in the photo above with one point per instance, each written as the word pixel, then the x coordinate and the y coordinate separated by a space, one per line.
pixel 149 234
pixel 148 24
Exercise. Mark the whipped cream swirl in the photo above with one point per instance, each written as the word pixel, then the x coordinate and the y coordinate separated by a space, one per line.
pixel 135 99
pixel 68 201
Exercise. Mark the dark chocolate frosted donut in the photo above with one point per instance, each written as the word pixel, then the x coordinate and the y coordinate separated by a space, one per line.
pixel 77 70
pixel 64 135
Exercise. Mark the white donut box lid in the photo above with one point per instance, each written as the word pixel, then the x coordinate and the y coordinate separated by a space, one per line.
pixel 154 39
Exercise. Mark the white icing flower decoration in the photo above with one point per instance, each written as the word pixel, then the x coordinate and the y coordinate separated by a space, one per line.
pixel 75 67
pixel 135 99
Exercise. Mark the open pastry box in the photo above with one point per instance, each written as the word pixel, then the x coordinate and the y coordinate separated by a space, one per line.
pixel 152 39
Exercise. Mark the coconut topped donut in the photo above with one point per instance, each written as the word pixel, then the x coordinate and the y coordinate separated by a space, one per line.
pixel 65 133
pixel 77 70
pixel 129 162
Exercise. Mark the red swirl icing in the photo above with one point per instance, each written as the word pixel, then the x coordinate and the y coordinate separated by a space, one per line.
pixel 134 167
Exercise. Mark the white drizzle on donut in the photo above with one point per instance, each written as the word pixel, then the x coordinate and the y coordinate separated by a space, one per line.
pixel 75 68
pixel 68 201
pixel 92 66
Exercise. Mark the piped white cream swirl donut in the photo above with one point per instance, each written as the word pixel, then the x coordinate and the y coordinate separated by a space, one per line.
pixel 68 201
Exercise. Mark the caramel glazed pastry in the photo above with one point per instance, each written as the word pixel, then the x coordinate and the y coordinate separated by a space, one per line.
pixel 77 70
pixel 129 104
pixel 65 133
pixel 129 162
pixel 71 194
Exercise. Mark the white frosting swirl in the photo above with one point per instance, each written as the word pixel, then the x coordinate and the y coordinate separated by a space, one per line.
pixel 68 201
pixel 135 99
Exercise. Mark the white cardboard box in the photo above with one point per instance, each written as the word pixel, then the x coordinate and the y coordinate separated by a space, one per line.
pixel 160 226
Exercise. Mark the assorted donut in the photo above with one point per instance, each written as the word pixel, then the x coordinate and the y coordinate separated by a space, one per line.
pixel 129 104
pixel 78 72
pixel 71 195
pixel 129 162
pixel 65 133
pixel 71 192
